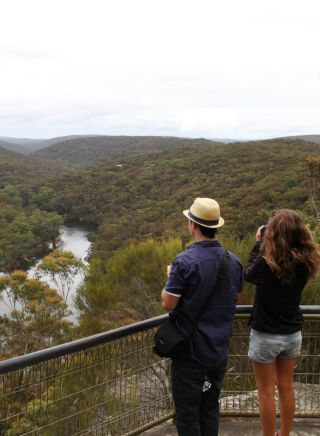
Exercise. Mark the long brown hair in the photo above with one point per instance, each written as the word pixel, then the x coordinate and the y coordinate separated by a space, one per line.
pixel 288 241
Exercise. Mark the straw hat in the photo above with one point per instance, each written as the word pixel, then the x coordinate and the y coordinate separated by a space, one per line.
pixel 206 212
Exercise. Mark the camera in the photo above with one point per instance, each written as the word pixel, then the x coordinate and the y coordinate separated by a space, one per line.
pixel 263 230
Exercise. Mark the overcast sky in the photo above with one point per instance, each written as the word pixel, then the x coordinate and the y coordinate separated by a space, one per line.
pixel 239 69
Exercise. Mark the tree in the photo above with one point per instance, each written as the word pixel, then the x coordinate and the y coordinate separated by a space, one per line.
pixel 24 232
pixel 61 267
pixel 36 318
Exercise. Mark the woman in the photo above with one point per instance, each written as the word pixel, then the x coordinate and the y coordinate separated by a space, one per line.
pixel 279 265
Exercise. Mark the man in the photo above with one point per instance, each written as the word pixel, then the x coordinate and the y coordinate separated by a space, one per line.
pixel 197 374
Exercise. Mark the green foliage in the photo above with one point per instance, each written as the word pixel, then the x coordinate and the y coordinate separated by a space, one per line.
pixel 61 267
pixel 311 172
pixel 36 317
pixel 23 232
pixel 127 286
pixel 16 168
pixel 241 248
pixel 25 224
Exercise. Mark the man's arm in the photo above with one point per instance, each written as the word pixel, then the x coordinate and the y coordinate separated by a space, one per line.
pixel 240 298
pixel 168 301
pixel 172 291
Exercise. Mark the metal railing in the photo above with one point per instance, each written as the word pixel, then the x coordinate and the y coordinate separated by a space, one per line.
pixel 113 384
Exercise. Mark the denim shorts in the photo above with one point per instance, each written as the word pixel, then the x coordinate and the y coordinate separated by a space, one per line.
pixel 266 347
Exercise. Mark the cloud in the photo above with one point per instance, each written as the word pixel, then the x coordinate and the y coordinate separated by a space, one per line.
pixel 205 68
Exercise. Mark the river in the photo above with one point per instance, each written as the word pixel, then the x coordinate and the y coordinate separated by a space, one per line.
pixel 74 237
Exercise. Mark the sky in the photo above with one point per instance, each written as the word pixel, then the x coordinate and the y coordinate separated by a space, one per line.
pixel 242 69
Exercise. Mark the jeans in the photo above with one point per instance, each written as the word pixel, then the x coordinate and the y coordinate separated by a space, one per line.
pixel 197 412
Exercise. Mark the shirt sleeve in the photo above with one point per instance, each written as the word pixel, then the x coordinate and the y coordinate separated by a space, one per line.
pixel 255 270
pixel 176 282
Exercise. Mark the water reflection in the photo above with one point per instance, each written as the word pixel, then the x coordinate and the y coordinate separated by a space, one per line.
pixel 75 238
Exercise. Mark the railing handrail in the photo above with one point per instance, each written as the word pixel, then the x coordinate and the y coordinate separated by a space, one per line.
pixel 25 360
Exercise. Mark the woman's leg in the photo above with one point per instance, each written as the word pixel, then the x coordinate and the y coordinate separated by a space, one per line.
pixel 284 376
pixel 265 379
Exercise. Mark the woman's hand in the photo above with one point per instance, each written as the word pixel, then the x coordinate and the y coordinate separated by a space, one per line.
pixel 258 234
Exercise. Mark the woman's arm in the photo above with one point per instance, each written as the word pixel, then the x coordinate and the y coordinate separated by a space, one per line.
pixel 252 270
pixel 255 270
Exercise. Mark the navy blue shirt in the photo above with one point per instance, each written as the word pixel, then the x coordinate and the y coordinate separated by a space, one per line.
pixel 192 278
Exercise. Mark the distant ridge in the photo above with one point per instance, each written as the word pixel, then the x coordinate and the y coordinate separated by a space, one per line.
pixel 9 146
pixel 95 149
pixel 18 168
pixel 228 140
pixel 21 145
pixel 309 138
pixel 82 150
pixel 6 153
pixel 29 145
pixel 20 141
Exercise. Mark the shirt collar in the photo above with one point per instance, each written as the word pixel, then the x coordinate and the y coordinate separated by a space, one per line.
pixel 212 243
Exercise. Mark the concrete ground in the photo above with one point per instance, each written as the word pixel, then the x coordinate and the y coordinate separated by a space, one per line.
pixel 244 427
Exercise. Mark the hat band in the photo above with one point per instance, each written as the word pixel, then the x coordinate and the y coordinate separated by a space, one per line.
pixel 200 221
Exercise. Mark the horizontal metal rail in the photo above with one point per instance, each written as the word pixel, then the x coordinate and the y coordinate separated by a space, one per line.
pixel 102 338
pixel 78 345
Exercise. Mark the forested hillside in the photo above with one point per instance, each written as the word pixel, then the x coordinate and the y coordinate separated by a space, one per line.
pixel 28 219
pixel 141 184
pixel 16 168
pixel 144 194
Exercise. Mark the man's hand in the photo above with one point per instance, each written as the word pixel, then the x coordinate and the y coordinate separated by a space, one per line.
pixel 168 270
